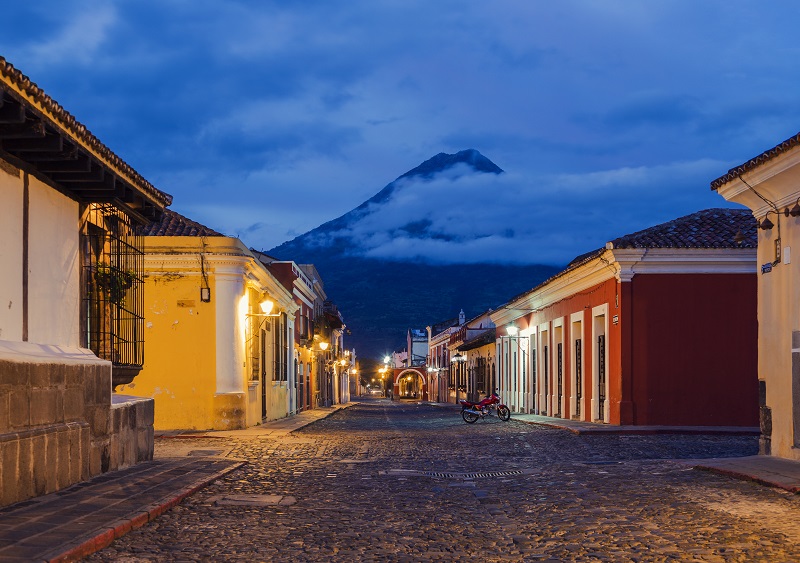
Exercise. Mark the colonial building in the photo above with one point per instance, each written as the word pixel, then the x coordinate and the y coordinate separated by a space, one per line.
pixel 442 387
pixel 220 330
pixel 657 328
pixel 473 353
pixel 769 185
pixel 301 286
pixel 71 288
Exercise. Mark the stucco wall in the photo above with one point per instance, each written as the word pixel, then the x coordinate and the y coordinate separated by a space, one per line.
pixel 693 349
pixel 54 278
pixel 53 264
pixel 180 362
pixel 602 294
pixel 778 304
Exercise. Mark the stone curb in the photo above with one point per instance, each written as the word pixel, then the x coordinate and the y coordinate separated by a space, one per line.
pixel 748 477
pixel 121 527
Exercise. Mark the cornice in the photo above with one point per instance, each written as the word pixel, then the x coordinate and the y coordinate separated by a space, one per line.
pixel 582 278
pixel 632 261
pixel 623 264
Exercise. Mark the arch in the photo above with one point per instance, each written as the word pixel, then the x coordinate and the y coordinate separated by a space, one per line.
pixel 410 383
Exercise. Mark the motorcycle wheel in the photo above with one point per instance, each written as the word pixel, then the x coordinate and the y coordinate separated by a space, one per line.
pixel 503 413
pixel 469 416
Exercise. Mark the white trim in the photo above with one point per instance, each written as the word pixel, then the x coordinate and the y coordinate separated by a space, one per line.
pixel 584 277
pixel 576 318
pixel 558 338
pixel 736 190
pixel 544 368
pixel 597 312
pixel 632 261
pixel 623 264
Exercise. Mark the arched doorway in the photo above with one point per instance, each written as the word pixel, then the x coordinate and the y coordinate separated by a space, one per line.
pixel 410 384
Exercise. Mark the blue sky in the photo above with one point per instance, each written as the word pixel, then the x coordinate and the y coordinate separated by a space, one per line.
pixel 265 119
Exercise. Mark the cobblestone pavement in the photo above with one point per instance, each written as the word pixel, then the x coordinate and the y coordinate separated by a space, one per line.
pixel 385 481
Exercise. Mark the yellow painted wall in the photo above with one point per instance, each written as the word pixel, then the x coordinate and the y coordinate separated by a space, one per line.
pixel 199 356
pixel 180 363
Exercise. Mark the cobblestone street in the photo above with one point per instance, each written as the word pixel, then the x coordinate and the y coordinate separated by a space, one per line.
pixel 389 481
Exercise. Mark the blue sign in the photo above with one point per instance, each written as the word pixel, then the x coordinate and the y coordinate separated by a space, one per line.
pixel 766 268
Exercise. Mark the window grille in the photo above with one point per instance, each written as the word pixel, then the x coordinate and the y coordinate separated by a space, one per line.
pixel 578 377
pixel 601 376
pixel 281 348
pixel 112 305
pixel 559 377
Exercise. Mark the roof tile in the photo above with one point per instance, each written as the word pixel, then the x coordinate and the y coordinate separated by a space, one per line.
pixel 174 224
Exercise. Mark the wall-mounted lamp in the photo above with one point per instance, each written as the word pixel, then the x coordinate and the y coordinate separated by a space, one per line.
pixel 205 294
pixel 386 359
pixel 266 308
pixel 794 211
pixel 766 224
pixel 459 358
pixel 323 345
pixel 738 238
pixel 512 329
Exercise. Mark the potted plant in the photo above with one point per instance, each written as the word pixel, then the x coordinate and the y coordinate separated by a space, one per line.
pixel 113 282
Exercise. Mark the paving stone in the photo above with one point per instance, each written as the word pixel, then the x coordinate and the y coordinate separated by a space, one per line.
pixel 579 497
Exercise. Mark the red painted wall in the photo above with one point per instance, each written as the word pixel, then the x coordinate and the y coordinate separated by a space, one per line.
pixel 693 349
pixel 603 293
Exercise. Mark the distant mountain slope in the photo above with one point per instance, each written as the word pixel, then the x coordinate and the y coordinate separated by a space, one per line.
pixel 381 298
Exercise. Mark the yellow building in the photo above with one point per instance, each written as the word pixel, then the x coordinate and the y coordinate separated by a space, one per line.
pixel 216 358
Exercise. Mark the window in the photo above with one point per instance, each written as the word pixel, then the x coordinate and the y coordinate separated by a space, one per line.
pixel 112 262
pixel 280 348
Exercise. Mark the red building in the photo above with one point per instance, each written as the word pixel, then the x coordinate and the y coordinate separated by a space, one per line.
pixel 657 328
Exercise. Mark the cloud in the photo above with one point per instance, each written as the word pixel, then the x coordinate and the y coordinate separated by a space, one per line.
pixel 80 38
pixel 609 116
pixel 469 218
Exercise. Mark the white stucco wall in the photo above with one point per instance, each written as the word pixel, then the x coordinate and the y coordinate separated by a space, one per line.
pixel 53 264
pixel 10 257
pixel 54 271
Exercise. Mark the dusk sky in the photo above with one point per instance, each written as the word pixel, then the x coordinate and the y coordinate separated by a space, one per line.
pixel 265 119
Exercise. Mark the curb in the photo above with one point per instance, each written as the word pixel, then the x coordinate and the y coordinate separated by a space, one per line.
pixel 121 527
pixel 611 431
pixel 747 477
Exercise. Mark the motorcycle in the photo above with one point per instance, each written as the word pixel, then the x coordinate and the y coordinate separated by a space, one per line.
pixel 490 406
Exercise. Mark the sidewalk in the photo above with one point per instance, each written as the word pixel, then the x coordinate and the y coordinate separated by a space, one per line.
pixel 587 428
pixel 279 427
pixel 88 516
pixel 584 428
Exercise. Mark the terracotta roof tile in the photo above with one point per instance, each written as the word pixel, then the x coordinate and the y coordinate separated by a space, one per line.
pixel 710 228
pixel 174 224
pixel 765 156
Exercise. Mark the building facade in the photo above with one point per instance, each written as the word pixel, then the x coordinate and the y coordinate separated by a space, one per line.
pixel 70 280
pixel 441 385
pixel 657 328
pixel 295 280
pixel 769 185
pixel 217 360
